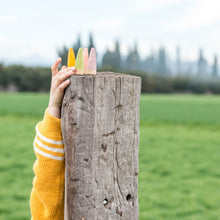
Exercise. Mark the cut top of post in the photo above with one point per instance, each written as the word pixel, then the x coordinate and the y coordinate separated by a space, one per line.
pixel 108 74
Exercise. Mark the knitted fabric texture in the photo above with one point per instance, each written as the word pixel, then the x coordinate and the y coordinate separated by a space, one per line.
pixel 47 195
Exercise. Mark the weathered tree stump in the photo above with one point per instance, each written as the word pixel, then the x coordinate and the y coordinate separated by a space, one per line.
pixel 100 125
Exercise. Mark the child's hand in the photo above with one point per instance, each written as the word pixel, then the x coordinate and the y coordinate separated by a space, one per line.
pixel 58 83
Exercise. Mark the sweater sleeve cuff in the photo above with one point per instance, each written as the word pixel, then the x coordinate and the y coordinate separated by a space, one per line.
pixel 50 127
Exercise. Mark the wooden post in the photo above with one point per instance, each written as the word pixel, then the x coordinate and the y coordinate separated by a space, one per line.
pixel 100 126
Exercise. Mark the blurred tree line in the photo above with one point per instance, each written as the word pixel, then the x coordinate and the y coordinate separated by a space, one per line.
pixel 21 78
pixel 156 80
pixel 37 79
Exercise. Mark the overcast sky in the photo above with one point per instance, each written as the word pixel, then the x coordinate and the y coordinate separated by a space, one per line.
pixel 30 28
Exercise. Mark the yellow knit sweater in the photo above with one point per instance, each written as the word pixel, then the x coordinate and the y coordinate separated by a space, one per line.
pixel 47 196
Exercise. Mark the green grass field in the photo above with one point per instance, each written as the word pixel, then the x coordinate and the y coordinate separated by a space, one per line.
pixel 179 155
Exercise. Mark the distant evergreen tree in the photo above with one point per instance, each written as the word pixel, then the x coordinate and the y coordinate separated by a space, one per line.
pixel 112 60
pixel 117 56
pixel 162 67
pixel 107 60
pixel 77 45
pixel 202 63
pixel 133 59
pixel 91 42
pixel 149 64
pixel 215 66
pixel 63 53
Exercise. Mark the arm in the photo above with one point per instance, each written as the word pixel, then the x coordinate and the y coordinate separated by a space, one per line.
pixel 47 196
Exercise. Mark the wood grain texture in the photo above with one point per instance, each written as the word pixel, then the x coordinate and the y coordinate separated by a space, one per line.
pixel 100 126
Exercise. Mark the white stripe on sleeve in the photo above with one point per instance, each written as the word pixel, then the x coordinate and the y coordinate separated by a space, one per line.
pixel 56 150
pixel 47 139
pixel 48 155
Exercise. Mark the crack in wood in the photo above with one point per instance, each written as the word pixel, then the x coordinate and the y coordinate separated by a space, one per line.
pixel 108 134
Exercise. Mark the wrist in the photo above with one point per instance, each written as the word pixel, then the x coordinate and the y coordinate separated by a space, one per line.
pixel 54 111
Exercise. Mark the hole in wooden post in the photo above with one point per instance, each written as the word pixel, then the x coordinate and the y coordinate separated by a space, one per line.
pixel 81 99
pixel 128 197
pixel 104 147
pixel 105 201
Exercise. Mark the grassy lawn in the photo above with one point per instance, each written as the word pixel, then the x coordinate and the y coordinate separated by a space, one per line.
pixel 179 155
